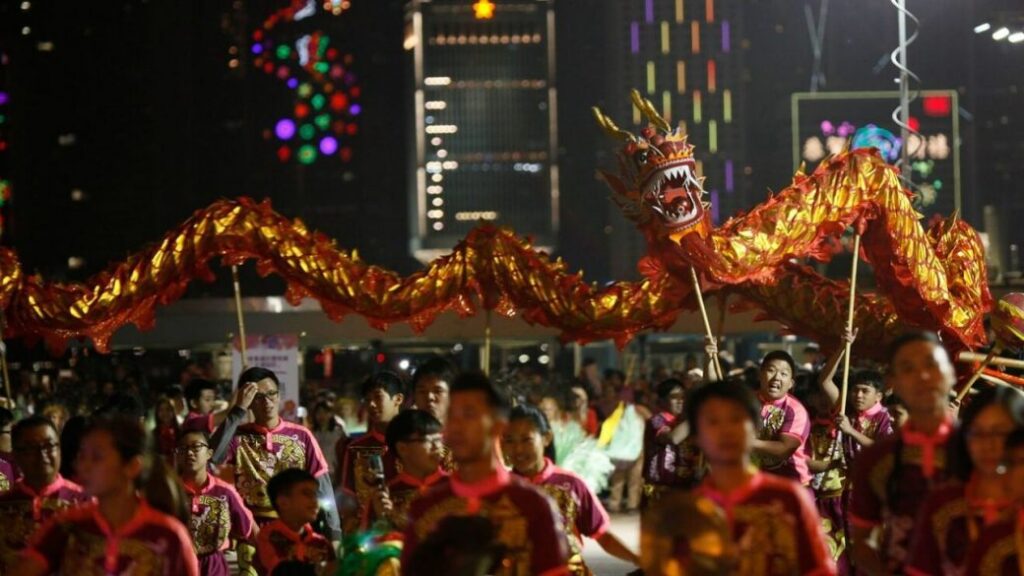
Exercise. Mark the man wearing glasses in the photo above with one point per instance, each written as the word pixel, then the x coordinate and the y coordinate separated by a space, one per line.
pixel 269 445
pixel 40 493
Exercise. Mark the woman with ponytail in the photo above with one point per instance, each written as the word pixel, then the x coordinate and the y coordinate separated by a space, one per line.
pixel 121 533
pixel 528 445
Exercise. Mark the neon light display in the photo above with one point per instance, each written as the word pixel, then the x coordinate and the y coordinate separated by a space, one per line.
pixel 323 118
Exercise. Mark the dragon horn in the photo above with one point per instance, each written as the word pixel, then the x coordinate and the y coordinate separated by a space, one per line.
pixel 609 126
pixel 952 220
pixel 644 105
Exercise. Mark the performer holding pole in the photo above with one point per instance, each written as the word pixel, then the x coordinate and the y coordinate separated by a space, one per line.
pixel 707 323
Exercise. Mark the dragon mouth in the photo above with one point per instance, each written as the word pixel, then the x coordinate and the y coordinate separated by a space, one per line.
pixel 674 193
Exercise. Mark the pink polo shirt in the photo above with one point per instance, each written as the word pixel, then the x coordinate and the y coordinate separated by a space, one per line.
pixel 257 453
pixel 785 417
pixel 218 512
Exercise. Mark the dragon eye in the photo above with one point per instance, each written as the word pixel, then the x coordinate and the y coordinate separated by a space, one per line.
pixel 641 157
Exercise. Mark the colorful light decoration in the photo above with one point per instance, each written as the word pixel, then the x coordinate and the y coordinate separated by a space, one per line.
pixel 6 190
pixel 328 146
pixel 326 90
pixel 285 129
pixel 924 150
pixel 872 136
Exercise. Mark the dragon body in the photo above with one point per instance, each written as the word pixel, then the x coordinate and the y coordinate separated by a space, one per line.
pixel 931 278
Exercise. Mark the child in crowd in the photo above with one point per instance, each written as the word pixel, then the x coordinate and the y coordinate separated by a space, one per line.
pixel 953 516
pixel 430 387
pixel 167 427
pixel 414 437
pixel 120 533
pixel 892 477
pixel 999 549
pixel 828 469
pixel 528 446
pixel 288 545
pixel 772 520
pixel 871 420
pixel 896 409
pixel 779 448
pixel 580 409
pixel 328 430
pixel 668 464
pixel 218 512
pixel 40 494
pixel 383 395
pixel 201 398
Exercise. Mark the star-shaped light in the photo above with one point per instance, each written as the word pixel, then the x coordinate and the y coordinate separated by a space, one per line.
pixel 484 9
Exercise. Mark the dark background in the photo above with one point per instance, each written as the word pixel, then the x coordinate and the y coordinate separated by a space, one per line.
pixel 162 126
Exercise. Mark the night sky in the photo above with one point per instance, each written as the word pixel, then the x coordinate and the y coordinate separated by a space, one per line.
pixel 136 105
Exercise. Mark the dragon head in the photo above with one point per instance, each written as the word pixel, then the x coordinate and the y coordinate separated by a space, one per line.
pixel 659 179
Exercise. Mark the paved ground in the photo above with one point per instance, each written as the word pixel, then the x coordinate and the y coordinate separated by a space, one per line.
pixel 626 527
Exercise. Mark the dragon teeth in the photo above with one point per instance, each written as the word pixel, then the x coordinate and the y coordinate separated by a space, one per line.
pixel 683 171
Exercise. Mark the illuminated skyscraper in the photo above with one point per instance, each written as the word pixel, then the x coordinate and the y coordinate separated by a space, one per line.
pixel 484 137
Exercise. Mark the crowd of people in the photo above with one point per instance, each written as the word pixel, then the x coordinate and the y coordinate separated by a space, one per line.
pixel 458 473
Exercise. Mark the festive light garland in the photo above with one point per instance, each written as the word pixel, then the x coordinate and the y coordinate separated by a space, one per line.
pixel 324 117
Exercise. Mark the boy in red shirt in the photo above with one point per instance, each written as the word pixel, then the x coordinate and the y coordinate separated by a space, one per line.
pixel 668 464
pixel 383 395
pixel 892 478
pixel 289 545
pixel 772 519
pixel 414 436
